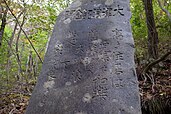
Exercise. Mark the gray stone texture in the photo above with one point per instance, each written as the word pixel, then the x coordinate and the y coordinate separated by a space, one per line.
pixel 89 65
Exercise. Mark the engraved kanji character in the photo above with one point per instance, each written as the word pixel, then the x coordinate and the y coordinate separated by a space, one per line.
pixel 117 83
pixel 118 10
pixel 77 75
pixel 98 13
pixel 66 63
pixel 119 56
pixel 90 14
pixel 109 11
pixel 79 14
pixel 100 90
pixel 117 34
pixel 118 69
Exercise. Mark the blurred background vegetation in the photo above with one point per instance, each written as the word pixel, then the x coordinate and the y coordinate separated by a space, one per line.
pixel 26 26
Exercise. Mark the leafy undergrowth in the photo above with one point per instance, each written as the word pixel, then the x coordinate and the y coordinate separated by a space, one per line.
pixel 156 97
pixel 155 92
pixel 15 101
pixel 155 89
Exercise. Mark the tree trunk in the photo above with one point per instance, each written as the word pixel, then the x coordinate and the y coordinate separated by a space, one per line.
pixel 3 25
pixel 152 32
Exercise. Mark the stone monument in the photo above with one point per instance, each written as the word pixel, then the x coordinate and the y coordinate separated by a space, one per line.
pixel 89 65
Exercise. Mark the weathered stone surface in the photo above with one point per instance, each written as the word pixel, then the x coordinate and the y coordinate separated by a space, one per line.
pixel 89 64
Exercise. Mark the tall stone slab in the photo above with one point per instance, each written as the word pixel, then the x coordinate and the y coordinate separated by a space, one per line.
pixel 89 65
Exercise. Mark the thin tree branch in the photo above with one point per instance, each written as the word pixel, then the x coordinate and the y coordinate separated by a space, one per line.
pixel 15 28
pixel 17 50
pixel 156 61
pixel 166 11
pixel 23 31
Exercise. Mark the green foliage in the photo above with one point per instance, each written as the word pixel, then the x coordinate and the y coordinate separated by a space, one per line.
pixel 4 48
pixel 18 60
pixel 138 20
pixel 3 56
pixel 139 27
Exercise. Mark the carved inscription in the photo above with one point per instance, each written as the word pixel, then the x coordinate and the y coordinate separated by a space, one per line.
pixel 79 49
pixel 72 37
pixel 117 83
pixel 59 48
pixel 100 89
pixel 97 13
pixel 65 63
pixel 99 51
pixel 106 55
pixel 104 68
pixel 76 75
pixel 117 54
pixel 100 47
pixel 93 35
pixel 117 35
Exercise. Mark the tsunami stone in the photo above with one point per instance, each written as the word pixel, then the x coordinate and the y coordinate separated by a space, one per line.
pixel 89 64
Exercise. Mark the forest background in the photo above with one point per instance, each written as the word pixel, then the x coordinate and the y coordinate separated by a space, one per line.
pixel 26 27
